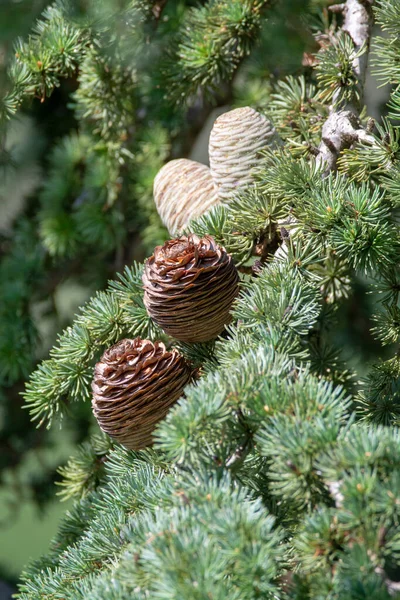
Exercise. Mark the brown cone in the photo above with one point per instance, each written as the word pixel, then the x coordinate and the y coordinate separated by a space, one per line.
pixel 134 385
pixel 190 284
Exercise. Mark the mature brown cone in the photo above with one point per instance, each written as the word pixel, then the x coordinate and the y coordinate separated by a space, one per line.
pixel 134 385
pixel 190 284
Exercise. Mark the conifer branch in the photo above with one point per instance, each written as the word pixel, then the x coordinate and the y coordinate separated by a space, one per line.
pixel 260 473
pixel 358 20
pixel 342 128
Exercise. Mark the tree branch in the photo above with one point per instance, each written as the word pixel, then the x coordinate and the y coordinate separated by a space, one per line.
pixel 340 131
pixel 342 128
pixel 358 21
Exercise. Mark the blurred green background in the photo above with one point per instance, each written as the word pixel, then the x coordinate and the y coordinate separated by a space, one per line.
pixel 28 470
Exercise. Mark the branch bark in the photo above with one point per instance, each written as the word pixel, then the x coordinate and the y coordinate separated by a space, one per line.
pixel 358 21
pixel 340 131
pixel 342 128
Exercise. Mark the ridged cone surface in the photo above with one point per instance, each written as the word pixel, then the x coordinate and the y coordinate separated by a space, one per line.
pixel 190 284
pixel 134 385
pixel 183 189
pixel 235 143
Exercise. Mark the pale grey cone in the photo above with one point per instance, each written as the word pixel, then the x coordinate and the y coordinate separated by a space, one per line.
pixel 183 190
pixel 236 140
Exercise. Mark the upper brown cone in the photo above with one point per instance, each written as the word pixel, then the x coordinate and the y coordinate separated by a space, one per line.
pixel 190 284
pixel 134 385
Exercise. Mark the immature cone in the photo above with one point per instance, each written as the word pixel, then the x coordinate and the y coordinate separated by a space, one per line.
pixel 234 148
pixel 134 385
pixel 183 190
pixel 190 284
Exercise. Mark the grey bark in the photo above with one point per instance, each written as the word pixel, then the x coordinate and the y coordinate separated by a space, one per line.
pixel 342 128
pixel 358 21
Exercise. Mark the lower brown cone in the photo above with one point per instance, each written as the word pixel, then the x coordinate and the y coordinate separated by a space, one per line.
pixel 134 385
pixel 190 284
